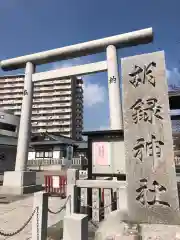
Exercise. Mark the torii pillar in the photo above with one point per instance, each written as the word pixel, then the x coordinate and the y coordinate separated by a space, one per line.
pixel 115 106
pixel 22 181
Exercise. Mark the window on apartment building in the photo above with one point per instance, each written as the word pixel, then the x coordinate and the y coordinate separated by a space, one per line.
pixel 7 127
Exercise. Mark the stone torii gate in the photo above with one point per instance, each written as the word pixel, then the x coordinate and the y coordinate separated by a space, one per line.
pixel 20 180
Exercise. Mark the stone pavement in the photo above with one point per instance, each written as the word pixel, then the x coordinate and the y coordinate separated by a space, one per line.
pixel 15 214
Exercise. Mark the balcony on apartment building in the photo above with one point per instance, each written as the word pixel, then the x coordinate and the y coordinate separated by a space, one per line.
pixel 60 110
pixel 51 123
pixel 50 99
pixel 12 96
pixel 65 130
pixel 42 105
pixel 51 117
pixel 11 85
pixel 54 93
pixel 53 82
pixel 12 80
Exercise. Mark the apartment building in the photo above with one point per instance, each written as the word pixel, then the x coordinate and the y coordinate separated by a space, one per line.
pixel 57 104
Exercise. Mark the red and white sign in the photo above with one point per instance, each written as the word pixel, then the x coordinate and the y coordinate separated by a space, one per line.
pixel 101 153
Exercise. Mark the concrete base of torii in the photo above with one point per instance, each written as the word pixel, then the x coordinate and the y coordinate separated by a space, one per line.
pixel 19 183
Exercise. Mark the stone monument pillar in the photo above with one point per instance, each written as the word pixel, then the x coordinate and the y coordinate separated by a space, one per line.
pixel 21 181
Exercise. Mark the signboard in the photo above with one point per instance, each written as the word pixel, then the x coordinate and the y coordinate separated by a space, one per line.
pixel 101 153
pixel 151 177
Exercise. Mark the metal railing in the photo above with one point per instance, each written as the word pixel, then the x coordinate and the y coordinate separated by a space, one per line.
pixel 62 161
pixel 44 162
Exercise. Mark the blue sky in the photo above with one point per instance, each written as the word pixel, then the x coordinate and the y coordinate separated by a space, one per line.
pixel 37 25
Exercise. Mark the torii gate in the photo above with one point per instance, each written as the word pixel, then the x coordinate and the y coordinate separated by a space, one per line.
pixel 109 44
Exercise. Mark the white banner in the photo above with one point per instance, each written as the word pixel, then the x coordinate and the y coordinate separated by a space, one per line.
pixel 101 153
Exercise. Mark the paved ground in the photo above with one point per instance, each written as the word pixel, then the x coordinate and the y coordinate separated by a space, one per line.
pixel 16 213
pixel 15 210
pixel 13 215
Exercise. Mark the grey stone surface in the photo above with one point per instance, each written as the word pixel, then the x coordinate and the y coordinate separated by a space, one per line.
pixel 19 178
pixel 79 227
pixel 72 191
pixel 15 214
pixel 83 202
pixel 113 227
pixel 18 183
pixel 41 216
pixel 107 201
pixel 117 226
pixel 152 187
pixel 160 232
pixel 96 204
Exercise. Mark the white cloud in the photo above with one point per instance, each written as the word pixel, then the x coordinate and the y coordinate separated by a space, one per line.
pixel 173 76
pixel 68 63
pixel 104 128
pixel 94 93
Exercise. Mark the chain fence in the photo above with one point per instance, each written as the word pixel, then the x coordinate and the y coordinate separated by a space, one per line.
pixel 62 208
pixel 101 210
pixel 10 234
pixel 36 210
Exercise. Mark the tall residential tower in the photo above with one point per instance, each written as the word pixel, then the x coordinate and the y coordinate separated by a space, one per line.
pixel 57 104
